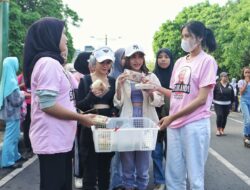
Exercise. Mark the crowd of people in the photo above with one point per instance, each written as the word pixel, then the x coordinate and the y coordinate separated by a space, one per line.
pixel 55 104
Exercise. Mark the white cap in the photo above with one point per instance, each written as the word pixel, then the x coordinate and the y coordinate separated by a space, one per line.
pixel 133 49
pixel 104 53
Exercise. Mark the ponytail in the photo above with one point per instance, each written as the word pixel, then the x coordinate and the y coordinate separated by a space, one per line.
pixel 210 41
pixel 199 30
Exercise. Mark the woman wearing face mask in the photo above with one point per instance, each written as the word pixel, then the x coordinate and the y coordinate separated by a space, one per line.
pixel 188 123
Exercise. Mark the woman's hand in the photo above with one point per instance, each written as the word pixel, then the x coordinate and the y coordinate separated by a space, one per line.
pixel 97 92
pixel 122 78
pixel 165 122
pixel 86 120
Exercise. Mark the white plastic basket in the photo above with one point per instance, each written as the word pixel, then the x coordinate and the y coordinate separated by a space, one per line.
pixel 126 134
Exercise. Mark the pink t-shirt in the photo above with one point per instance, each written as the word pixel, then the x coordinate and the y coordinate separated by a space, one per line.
pixel 48 134
pixel 187 78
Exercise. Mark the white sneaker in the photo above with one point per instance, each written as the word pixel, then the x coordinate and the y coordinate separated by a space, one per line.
pixel 159 187
pixel 78 183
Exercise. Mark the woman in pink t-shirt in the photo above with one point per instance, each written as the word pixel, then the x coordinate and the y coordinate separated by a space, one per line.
pixel 188 123
pixel 53 113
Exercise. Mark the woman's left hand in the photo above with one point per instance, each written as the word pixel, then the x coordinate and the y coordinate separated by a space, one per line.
pixel 165 122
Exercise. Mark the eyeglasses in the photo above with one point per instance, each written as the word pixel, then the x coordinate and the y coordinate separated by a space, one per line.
pixel 247 72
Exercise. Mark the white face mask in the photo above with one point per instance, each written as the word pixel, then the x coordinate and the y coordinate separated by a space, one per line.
pixel 188 45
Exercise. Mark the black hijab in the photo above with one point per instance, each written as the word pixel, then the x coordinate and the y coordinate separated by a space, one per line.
pixel 81 63
pixel 164 75
pixel 42 40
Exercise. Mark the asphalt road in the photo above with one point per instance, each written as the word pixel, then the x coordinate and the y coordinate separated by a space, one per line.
pixel 227 168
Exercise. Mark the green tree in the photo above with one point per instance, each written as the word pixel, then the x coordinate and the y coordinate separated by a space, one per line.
pixel 234 37
pixel 230 24
pixel 24 12
pixel 169 34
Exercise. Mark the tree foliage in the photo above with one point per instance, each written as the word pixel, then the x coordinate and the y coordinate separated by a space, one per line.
pixel 230 24
pixel 24 12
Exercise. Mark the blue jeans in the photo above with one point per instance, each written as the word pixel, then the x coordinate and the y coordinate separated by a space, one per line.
pixel 10 152
pixel 158 169
pixel 116 171
pixel 135 167
pixel 245 108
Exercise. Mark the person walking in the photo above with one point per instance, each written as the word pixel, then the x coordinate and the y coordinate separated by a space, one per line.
pixel 134 102
pixel 244 87
pixel 53 112
pixel 163 70
pixel 11 100
pixel 223 100
pixel 188 123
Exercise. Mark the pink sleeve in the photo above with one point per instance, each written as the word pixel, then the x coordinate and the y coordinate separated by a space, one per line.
pixel 49 75
pixel 208 72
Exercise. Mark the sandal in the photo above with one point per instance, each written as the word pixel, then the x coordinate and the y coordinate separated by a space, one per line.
pixel 218 133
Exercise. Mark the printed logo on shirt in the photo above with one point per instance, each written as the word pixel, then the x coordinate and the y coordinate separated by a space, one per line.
pixel 182 82
pixel 72 95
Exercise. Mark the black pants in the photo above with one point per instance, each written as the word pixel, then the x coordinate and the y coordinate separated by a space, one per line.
pixel 77 156
pixel 26 129
pixel 56 171
pixel 96 166
pixel 222 112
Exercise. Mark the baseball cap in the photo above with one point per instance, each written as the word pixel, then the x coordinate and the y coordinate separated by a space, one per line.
pixel 104 53
pixel 133 49
pixel 223 74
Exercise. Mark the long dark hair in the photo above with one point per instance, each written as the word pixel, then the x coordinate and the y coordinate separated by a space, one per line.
pixel 243 70
pixel 199 30
pixel 42 40
pixel 144 68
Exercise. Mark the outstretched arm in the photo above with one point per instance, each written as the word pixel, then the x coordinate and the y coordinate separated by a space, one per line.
pixel 193 105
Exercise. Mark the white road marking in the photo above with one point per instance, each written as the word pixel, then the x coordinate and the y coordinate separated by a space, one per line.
pixel 241 122
pixel 15 172
pixel 231 167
